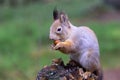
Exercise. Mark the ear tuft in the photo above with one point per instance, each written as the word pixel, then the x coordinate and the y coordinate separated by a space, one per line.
pixel 63 17
pixel 55 14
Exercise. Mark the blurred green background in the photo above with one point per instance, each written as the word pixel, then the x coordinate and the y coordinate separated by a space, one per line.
pixel 24 33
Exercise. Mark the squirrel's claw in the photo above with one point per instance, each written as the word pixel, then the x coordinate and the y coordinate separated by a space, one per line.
pixel 58 46
pixel 52 46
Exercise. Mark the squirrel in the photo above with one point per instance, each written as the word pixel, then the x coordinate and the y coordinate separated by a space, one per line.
pixel 79 42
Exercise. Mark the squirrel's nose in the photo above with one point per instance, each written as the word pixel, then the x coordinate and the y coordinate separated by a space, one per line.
pixel 51 38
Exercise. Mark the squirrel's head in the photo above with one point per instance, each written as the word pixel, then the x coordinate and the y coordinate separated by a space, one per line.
pixel 60 28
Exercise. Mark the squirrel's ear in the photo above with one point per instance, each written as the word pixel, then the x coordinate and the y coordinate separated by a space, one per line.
pixel 55 14
pixel 63 18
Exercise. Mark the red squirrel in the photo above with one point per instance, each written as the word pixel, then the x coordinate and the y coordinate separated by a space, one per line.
pixel 79 42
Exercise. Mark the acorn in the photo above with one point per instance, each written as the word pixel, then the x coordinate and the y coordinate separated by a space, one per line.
pixel 56 42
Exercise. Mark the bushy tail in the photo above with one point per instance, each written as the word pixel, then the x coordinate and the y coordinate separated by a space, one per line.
pixel 100 75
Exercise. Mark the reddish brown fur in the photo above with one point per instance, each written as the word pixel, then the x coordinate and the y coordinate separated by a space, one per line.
pixel 66 46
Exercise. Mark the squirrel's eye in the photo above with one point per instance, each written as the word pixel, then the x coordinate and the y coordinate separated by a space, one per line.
pixel 59 29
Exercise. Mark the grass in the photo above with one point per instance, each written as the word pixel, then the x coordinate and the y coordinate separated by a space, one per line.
pixel 24 42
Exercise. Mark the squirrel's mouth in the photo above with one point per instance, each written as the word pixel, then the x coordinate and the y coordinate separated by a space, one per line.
pixel 61 40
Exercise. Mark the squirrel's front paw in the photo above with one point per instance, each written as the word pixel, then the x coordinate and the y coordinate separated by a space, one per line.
pixel 58 46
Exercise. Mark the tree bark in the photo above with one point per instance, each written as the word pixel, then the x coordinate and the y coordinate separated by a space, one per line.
pixel 71 71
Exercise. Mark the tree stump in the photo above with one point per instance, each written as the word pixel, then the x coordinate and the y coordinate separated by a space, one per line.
pixel 71 71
